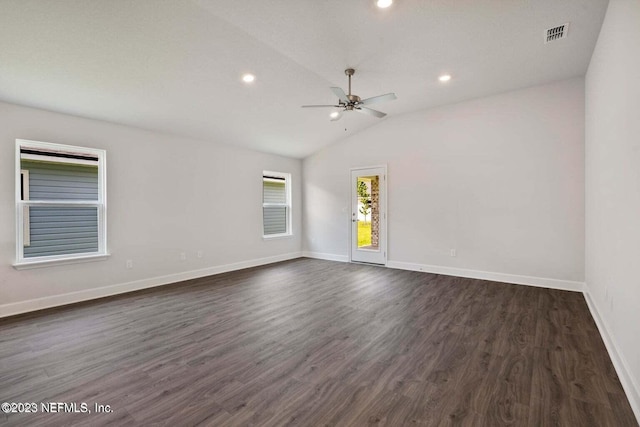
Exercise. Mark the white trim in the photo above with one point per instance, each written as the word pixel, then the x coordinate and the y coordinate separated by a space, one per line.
pixel 277 236
pixel 567 285
pixel 327 257
pixel 89 294
pixel 50 261
pixel 18 198
pixel 631 388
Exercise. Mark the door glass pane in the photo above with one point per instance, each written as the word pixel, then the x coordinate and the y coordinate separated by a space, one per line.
pixel 368 214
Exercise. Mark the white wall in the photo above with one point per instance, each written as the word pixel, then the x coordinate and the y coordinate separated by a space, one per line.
pixel 500 179
pixel 613 187
pixel 165 194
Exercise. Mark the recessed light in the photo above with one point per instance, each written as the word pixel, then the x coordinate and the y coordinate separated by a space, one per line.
pixel 383 4
pixel 444 78
pixel 334 114
pixel 248 78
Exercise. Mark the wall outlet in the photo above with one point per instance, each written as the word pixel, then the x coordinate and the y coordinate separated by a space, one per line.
pixel 129 263
pixel 452 252
pixel 200 254
pixel 183 256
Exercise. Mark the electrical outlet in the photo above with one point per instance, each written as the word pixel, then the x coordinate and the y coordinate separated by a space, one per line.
pixel 452 252
pixel 183 256
pixel 200 254
pixel 129 263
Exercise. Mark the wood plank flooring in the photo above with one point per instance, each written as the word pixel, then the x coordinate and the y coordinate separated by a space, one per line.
pixel 317 343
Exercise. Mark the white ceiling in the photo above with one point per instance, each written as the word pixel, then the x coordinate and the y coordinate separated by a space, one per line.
pixel 176 66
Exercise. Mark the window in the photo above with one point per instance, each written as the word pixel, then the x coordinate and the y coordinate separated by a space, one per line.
pixel 60 203
pixel 276 204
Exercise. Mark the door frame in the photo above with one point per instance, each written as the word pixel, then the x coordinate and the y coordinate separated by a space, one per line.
pixel 383 205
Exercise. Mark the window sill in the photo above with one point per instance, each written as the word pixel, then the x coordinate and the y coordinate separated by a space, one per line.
pixel 277 236
pixel 24 265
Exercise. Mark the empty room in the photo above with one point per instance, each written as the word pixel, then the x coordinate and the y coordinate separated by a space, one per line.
pixel 320 213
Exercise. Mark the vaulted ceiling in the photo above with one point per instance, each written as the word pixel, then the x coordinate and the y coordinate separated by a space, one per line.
pixel 176 66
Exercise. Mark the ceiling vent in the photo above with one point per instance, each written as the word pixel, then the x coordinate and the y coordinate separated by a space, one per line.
pixel 556 33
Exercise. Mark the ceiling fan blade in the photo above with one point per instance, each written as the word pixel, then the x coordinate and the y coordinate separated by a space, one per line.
pixel 379 98
pixel 375 113
pixel 340 94
pixel 320 106
pixel 336 118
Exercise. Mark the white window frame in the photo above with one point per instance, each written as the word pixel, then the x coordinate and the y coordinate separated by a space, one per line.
pixel 22 206
pixel 287 204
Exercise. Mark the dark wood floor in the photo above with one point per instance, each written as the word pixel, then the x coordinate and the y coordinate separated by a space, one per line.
pixel 314 343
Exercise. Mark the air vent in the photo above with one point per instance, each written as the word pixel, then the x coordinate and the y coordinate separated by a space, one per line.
pixel 556 33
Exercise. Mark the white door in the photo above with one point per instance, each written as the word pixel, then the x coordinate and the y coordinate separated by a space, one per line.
pixel 368 215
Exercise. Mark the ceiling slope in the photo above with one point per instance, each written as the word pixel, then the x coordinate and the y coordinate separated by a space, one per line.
pixel 176 66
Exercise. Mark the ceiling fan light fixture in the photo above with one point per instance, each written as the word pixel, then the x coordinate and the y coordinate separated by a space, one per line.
pixel 444 78
pixel 248 78
pixel 383 4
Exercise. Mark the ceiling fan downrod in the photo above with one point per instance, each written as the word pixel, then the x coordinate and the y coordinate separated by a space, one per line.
pixel 349 72
pixel 353 99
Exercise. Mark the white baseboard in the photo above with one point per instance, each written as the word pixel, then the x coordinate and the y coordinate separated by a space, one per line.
pixel 566 285
pixel 89 294
pixel 328 257
pixel 631 388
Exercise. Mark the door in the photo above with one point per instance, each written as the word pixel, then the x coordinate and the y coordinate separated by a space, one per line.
pixel 368 215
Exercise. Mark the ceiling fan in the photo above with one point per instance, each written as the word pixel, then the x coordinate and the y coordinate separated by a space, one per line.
pixel 350 102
